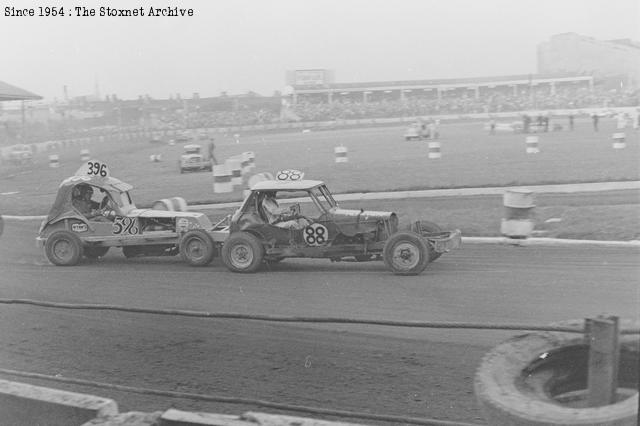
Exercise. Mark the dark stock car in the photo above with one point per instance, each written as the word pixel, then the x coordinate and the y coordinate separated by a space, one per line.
pixel 330 232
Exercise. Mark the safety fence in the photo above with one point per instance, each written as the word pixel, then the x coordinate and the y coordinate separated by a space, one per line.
pixel 568 327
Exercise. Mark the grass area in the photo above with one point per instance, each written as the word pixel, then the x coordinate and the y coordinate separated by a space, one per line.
pixel 610 216
pixel 379 160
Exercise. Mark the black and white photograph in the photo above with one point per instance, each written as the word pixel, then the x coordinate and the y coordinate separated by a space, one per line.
pixel 319 213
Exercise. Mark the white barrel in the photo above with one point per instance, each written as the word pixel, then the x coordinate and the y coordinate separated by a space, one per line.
pixel 341 154
pixel 54 161
pixel 221 179
pixel 155 158
pixel 85 155
pixel 175 204
pixel 619 140
pixel 237 137
pixel 532 144
pixel 234 166
pixel 434 150
pixel 250 157
pixel 244 162
pixel 518 213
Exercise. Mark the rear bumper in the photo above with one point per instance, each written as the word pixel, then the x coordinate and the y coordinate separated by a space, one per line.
pixel 448 241
pixel 40 242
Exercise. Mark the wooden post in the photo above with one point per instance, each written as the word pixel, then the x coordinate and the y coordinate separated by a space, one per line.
pixel 602 334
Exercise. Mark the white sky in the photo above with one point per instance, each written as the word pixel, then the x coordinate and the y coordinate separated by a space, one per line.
pixel 242 45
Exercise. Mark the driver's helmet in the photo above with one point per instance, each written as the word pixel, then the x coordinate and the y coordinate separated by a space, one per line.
pixel 82 191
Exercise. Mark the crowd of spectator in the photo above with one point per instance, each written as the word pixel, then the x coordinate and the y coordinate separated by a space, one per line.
pixel 266 110
pixel 492 102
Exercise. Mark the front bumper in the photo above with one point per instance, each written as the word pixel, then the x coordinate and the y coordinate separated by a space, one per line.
pixel 447 241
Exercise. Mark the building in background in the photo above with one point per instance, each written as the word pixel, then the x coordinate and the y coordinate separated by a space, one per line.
pixel 616 62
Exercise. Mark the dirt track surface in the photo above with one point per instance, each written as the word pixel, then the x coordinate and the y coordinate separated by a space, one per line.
pixel 409 372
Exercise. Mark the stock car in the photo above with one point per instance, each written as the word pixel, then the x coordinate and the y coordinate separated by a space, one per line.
pixel 67 235
pixel 331 232
pixel 192 159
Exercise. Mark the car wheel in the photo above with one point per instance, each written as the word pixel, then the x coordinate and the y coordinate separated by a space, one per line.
pixel 196 248
pixel 406 253
pixel 95 252
pixel 430 227
pixel 541 378
pixel 242 252
pixel 63 248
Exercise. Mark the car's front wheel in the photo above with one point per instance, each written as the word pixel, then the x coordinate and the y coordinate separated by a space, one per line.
pixel 197 248
pixel 406 253
pixel 63 248
pixel 242 252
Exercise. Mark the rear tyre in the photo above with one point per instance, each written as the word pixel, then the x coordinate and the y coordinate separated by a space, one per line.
pixel 242 252
pixel 63 248
pixel 95 252
pixel 431 227
pixel 406 253
pixel 197 248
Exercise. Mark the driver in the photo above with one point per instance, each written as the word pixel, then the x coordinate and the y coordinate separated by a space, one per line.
pixel 81 200
pixel 282 217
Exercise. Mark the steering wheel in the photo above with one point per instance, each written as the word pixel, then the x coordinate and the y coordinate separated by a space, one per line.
pixel 295 209
pixel 104 202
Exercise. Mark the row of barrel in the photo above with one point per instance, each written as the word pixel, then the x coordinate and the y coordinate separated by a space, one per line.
pixel 54 159
pixel 532 142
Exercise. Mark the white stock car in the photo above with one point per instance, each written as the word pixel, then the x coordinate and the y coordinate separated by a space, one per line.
pixel 67 234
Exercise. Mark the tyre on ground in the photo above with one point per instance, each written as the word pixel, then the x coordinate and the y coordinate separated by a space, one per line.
pixel 242 252
pixel 406 253
pixel 63 248
pixel 541 379
pixel 197 248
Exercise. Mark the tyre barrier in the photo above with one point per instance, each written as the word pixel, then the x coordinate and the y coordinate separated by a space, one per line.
pixel 221 179
pixel 175 204
pixel 234 165
pixel 518 213
pixel 433 149
pixel 539 379
pixel 532 144
pixel 340 153
pixel 54 161
pixel 259 177
pixel 619 140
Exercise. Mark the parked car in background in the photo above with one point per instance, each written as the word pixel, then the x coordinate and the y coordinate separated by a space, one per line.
pixel 193 160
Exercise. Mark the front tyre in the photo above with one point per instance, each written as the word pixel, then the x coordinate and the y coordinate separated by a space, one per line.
pixel 197 248
pixel 63 248
pixel 242 252
pixel 406 253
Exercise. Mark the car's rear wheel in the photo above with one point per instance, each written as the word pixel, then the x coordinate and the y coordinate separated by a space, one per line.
pixel 63 248
pixel 242 252
pixel 197 248
pixel 406 253
pixel 95 252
